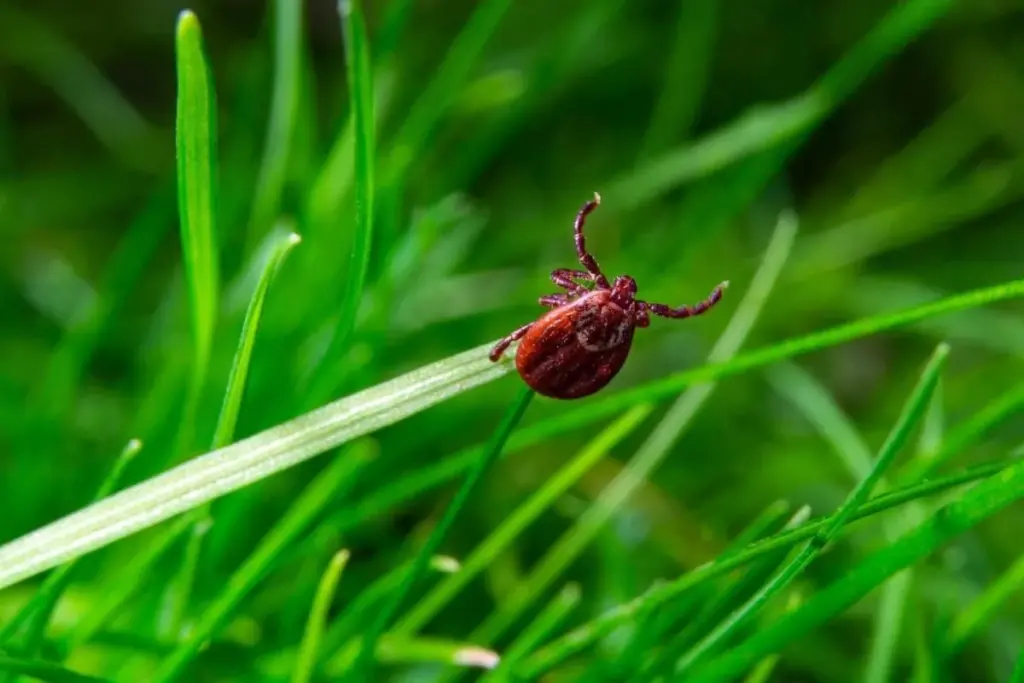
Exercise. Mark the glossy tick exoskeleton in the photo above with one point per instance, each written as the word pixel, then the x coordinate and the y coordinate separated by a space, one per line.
pixel 577 347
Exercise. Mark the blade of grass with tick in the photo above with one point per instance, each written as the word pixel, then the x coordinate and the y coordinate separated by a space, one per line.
pixel 37 611
pixel 360 79
pixel 582 637
pixel 330 485
pixel 283 119
pixel 780 129
pixel 196 143
pixel 217 473
pixel 364 661
pixel 977 504
pixel 909 418
pixel 501 538
pixel 654 449
pixel 311 639
pixel 280 244
pixel 549 619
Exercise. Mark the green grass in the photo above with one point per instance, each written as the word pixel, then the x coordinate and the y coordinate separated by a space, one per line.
pixel 775 490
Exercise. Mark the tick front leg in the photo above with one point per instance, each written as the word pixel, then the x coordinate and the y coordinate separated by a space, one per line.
pixel 687 311
pixel 588 261
pixel 564 278
pixel 554 300
pixel 500 347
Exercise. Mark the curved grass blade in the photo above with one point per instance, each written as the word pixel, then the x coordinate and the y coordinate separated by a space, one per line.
pixel 332 482
pixel 582 637
pixel 222 471
pixel 909 418
pixel 550 618
pixel 310 647
pixel 363 664
pixel 975 506
pixel 985 607
pixel 196 142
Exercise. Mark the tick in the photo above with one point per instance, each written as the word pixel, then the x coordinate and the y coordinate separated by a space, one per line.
pixel 578 346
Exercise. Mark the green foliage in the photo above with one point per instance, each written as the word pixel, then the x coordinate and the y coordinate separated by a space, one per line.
pixel 771 491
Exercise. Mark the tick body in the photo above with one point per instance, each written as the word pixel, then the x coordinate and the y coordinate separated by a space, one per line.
pixel 576 348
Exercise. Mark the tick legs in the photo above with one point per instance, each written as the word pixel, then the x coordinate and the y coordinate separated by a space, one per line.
pixel 685 311
pixel 564 278
pixel 554 300
pixel 588 261
pixel 500 347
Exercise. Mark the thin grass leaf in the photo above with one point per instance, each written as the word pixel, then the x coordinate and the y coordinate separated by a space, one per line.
pixel 888 624
pixel 196 143
pixel 984 608
pixel 549 619
pixel 332 483
pixel 38 611
pixel 45 671
pixel 909 418
pixel 783 126
pixel 309 649
pixel 654 449
pixel 283 119
pixel 975 506
pixel 215 474
pixel 535 505
pixel 582 637
pixel 361 93
pixel 398 650
pixel 686 75
pixel 363 665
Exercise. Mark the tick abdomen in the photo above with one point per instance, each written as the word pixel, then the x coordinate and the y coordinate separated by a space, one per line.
pixel 576 349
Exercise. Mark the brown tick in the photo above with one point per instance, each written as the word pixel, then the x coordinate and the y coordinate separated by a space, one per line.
pixel 576 348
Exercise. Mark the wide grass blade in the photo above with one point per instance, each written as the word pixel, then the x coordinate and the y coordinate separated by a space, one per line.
pixel 196 142
pixel 222 471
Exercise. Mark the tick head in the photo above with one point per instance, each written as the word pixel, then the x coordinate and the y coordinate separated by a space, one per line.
pixel 624 291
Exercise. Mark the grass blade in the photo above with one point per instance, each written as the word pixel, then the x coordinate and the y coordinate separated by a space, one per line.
pixel 363 663
pixel 310 647
pixel 227 469
pixel 45 671
pixel 557 611
pixel 196 142
pixel 985 607
pixel 976 505
pixel 284 114
pixel 329 484
pixel 909 418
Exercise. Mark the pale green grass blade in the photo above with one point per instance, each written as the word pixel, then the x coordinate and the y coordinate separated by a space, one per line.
pixel 910 417
pixel 975 506
pixel 222 471
pixel 501 538
pixel 39 609
pixel 311 639
pixel 364 664
pixel 653 450
pixel 45 671
pixel 361 94
pixel 786 124
pixel 686 73
pixel 984 608
pixel 582 637
pixel 281 245
pixel 331 483
pixel 283 120
pixel 549 619
pixel 196 142
pixel 888 625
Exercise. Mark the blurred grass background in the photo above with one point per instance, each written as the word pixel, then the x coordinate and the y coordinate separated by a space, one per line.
pixel 495 122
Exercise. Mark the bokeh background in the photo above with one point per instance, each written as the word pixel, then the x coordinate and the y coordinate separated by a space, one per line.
pixel 908 188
